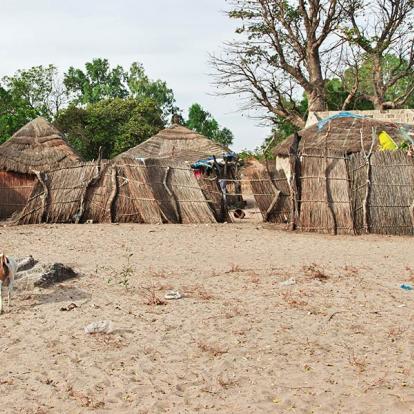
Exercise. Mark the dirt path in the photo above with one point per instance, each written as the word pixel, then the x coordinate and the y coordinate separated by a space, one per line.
pixel 337 340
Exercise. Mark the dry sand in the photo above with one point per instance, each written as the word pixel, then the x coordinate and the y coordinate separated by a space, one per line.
pixel 340 340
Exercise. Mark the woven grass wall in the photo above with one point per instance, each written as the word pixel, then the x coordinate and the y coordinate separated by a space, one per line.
pixel 282 209
pixel 125 191
pixel 213 194
pixel 383 192
pixel 166 202
pixel 135 200
pixel 57 195
pixel 325 204
pixel 15 190
pixel 99 195
pixel 182 192
pixel 270 189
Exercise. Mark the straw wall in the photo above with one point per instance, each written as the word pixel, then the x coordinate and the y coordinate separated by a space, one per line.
pixel 135 200
pixel 125 191
pixel 325 199
pixel 15 190
pixel 213 194
pixel 282 209
pixel 383 192
pixel 360 193
pixel 270 189
pixel 183 192
pixel 99 195
pixel 57 196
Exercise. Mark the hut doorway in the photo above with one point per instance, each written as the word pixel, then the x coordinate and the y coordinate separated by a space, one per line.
pixel 266 193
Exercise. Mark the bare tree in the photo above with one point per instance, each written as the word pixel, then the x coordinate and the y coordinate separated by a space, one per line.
pixel 284 48
pixel 384 28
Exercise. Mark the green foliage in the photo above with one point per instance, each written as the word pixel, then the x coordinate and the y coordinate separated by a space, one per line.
pixel 97 107
pixel 14 113
pixel 202 122
pixel 392 66
pixel 28 94
pixel 140 86
pixel 99 82
pixel 114 124
pixel 37 88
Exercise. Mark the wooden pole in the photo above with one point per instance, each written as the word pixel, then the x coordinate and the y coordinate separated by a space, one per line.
pixel 44 196
pixel 110 210
pixel 294 162
pixel 365 205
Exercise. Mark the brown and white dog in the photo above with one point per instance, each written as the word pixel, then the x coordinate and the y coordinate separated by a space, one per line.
pixel 8 269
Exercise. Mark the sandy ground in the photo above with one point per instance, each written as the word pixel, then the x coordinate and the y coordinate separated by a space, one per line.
pixel 339 340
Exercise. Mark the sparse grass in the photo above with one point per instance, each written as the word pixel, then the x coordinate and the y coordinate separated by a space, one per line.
pixel 213 349
pixel 159 274
pixel 227 382
pixel 120 277
pixel 395 333
pixel 358 363
pixel 351 270
pixel 235 269
pixel 109 340
pixel 127 271
pixel 197 291
pixel 83 399
pixel 37 410
pixel 315 271
pixel 295 300
pixel 232 312
pixel 254 278
pixel 151 297
pixel 410 274
pixel 378 383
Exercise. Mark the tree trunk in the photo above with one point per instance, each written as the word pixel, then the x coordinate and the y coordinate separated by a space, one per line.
pixel 378 82
pixel 296 120
pixel 316 95
pixel 317 100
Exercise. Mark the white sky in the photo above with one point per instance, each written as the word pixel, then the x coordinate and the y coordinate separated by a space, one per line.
pixel 172 38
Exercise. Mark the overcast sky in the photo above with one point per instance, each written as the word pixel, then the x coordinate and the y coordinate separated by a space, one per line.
pixel 172 38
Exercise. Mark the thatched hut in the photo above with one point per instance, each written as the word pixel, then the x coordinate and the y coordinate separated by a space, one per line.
pixel 125 191
pixel 347 134
pixel 336 162
pixel 177 143
pixel 37 147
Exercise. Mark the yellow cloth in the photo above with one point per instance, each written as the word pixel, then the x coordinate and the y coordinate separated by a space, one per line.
pixel 386 143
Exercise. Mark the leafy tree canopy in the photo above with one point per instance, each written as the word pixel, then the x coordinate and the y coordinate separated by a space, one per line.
pixel 28 94
pixel 97 106
pixel 203 122
pixel 114 124
pixel 98 81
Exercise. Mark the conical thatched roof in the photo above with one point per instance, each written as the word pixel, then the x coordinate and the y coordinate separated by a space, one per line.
pixel 178 143
pixel 38 146
pixel 341 134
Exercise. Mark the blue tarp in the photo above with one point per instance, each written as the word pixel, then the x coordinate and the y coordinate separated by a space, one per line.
pixel 208 162
pixel 344 114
